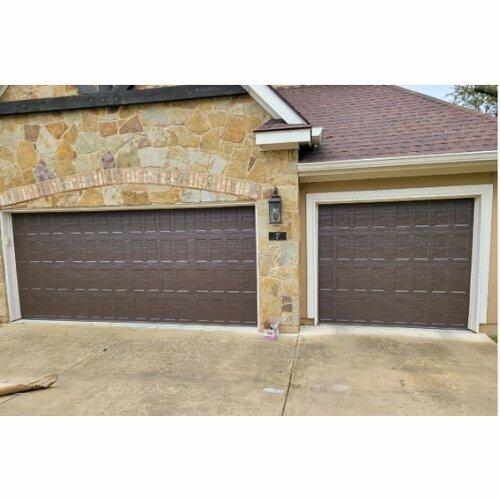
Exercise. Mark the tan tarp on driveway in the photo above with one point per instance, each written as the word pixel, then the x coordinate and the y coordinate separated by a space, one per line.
pixel 42 383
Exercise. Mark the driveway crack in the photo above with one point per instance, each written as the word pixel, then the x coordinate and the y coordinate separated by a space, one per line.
pixel 60 373
pixel 283 409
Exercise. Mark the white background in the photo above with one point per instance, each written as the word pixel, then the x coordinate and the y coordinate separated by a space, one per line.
pixel 195 42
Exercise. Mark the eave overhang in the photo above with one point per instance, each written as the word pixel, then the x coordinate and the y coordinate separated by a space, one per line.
pixel 400 166
pixel 275 104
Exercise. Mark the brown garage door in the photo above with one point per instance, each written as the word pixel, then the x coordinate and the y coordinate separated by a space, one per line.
pixel 186 265
pixel 404 263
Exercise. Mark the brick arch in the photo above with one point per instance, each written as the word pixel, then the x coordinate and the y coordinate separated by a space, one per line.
pixel 216 183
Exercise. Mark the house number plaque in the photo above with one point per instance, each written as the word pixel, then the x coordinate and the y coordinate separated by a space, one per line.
pixel 277 236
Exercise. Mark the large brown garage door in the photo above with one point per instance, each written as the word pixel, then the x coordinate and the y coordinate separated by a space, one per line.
pixel 183 265
pixel 404 263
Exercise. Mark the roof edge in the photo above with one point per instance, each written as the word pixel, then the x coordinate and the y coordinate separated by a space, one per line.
pixel 275 104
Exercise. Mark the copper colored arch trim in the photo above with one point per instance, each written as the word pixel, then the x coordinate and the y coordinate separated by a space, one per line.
pixel 137 175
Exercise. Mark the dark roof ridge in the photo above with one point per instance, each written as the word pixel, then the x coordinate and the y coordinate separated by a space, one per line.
pixel 441 101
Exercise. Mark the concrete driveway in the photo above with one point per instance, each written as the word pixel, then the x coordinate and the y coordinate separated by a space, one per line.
pixel 113 370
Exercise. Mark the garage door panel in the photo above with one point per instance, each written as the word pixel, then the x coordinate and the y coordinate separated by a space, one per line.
pixel 439 312
pixel 362 216
pixel 247 304
pixel 421 245
pixel 382 278
pixel 403 277
pixel 189 265
pixel 458 278
pixel 379 307
pixel 456 310
pixel 361 278
pixel 361 310
pixel 421 213
pixel 342 247
pixel 419 311
pixel 401 307
pixel 422 277
pixel 459 246
pixel 325 279
pixel 249 248
pixel 343 277
pixel 362 245
pixel 403 263
pixel 462 215
pixel 325 250
pixel 403 245
pixel 439 278
pixel 326 306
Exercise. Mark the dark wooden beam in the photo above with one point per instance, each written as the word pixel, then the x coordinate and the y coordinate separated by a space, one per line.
pixel 119 88
pixel 101 89
pixel 118 98
pixel 87 89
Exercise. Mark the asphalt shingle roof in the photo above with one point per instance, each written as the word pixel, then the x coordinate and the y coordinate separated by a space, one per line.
pixel 376 121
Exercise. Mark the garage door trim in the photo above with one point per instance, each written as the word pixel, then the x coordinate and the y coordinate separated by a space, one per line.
pixel 9 259
pixel 483 196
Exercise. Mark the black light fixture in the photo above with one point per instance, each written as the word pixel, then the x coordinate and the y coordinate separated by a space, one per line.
pixel 275 207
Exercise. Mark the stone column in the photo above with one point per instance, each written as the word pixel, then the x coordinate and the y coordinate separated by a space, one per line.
pixel 278 261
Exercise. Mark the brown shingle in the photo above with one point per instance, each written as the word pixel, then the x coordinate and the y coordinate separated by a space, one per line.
pixel 375 121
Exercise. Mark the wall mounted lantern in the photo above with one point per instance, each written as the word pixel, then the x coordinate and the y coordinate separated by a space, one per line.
pixel 275 207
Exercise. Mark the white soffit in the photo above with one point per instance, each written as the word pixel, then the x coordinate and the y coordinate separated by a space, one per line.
pixel 274 104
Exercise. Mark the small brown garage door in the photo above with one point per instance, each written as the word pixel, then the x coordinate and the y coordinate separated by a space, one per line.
pixel 404 263
pixel 183 265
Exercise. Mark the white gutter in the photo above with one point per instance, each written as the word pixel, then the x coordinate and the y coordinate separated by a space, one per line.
pixel 318 168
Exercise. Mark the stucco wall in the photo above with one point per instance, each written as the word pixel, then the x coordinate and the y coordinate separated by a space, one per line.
pixel 407 182
pixel 183 153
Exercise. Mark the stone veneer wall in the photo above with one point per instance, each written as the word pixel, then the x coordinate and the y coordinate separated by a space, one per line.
pixel 188 152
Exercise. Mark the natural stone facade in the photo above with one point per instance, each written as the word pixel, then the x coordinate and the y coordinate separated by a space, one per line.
pixel 185 152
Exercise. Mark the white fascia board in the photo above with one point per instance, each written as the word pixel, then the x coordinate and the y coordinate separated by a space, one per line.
pixel 276 106
pixel 283 139
pixel 394 161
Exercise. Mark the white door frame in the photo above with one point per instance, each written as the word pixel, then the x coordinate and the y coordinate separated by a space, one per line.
pixel 483 196
pixel 9 256
pixel 9 265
